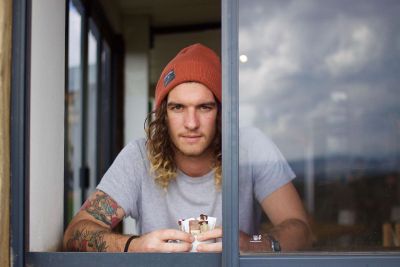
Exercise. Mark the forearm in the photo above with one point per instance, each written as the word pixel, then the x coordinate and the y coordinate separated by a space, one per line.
pixel 292 234
pixel 285 210
pixel 88 236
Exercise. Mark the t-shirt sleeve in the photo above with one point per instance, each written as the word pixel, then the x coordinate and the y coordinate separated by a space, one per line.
pixel 269 168
pixel 122 179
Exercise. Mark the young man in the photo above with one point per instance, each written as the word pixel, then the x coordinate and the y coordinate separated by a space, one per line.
pixel 176 173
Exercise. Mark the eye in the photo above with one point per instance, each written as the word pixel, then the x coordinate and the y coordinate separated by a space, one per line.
pixel 176 107
pixel 207 107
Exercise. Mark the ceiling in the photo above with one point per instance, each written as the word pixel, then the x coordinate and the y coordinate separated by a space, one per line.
pixel 168 13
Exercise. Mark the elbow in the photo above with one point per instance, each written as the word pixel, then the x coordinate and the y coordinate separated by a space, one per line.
pixel 294 234
pixel 307 235
pixel 79 233
pixel 68 237
pixel 71 233
pixel 304 233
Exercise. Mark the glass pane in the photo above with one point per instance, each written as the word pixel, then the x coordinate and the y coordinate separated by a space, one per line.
pixel 74 111
pixel 321 80
pixel 91 131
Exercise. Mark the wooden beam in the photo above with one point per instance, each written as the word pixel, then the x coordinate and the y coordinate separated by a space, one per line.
pixel 5 88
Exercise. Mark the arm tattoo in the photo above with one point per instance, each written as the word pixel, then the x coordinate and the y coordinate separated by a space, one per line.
pixel 86 240
pixel 103 208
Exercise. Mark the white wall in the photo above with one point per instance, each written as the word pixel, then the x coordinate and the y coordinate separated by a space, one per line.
pixel 136 34
pixel 47 125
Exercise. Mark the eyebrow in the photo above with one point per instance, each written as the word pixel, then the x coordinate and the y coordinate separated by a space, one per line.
pixel 213 103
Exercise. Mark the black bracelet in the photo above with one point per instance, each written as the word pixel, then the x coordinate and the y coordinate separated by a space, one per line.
pixel 128 242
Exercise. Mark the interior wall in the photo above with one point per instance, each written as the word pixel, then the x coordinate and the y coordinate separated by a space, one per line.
pixel 113 14
pixel 136 34
pixel 47 125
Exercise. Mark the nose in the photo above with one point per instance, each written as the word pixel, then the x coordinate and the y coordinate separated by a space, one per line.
pixel 191 119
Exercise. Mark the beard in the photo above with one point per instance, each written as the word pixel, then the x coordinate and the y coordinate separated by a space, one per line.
pixel 197 150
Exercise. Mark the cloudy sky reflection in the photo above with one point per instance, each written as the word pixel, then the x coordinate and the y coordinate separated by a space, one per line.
pixel 322 75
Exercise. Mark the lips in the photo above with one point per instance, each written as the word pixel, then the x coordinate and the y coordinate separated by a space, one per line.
pixel 191 138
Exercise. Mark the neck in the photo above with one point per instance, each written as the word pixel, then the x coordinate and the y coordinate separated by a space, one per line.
pixel 195 166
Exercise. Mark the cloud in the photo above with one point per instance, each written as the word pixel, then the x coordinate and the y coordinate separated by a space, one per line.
pixel 322 72
pixel 357 47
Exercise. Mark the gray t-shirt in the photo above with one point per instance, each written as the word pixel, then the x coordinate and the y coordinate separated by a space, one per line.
pixel 262 170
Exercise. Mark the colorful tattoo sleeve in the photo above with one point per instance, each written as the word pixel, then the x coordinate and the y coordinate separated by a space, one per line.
pixel 103 208
pixel 86 240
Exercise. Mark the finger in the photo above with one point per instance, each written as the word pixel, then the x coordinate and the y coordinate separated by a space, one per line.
pixel 212 234
pixel 172 234
pixel 213 247
pixel 176 247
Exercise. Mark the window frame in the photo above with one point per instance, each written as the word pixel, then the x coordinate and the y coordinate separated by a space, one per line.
pixel 230 256
pixel 19 138
pixel 312 258
pixel 83 170
pixel 230 132
pixel 92 28
pixel 21 256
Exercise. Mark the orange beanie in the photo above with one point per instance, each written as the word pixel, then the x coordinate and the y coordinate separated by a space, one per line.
pixel 195 63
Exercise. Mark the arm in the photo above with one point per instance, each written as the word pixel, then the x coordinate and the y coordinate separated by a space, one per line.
pixel 91 230
pixel 285 210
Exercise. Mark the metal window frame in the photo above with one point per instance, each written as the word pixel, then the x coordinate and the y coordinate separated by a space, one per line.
pixel 230 255
pixel 230 133
pixel 97 36
pixel 19 139
pixel 83 169
pixel 326 259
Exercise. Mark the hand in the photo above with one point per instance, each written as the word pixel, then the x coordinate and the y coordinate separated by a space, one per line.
pixel 157 242
pixel 244 241
pixel 246 246
pixel 212 247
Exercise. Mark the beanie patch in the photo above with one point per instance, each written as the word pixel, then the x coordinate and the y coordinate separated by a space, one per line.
pixel 169 77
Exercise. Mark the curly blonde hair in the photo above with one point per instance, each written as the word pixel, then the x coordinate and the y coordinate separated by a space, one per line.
pixel 161 151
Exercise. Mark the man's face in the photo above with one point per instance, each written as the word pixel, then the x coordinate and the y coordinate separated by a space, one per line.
pixel 191 117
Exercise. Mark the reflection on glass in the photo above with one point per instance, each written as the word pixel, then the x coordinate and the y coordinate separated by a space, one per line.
pixel 74 119
pixel 320 78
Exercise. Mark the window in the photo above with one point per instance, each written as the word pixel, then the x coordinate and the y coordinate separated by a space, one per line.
pixel 230 256
pixel 93 96
pixel 91 142
pixel 74 147
pixel 321 80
